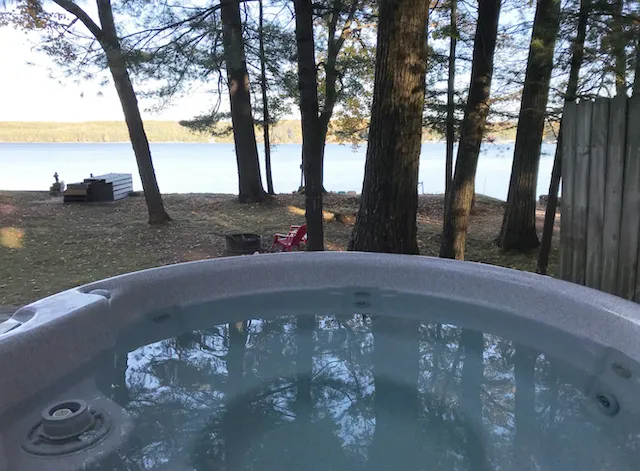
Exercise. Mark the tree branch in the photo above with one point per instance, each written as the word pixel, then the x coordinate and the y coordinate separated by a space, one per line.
pixel 79 13
pixel 347 25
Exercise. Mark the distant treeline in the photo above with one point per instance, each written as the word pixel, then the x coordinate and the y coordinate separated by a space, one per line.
pixel 284 132
pixel 116 131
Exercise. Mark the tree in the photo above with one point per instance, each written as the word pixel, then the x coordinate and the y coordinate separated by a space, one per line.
pixel 471 132
pixel 312 143
pixel 218 49
pixel 618 44
pixel 608 51
pixel 343 67
pixel 519 221
pixel 61 37
pixel 344 20
pixel 265 101
pixel 270 48
pixel 451 105
pixel 636 77
pixel 386 220
pixel 244 137
pixel 577 55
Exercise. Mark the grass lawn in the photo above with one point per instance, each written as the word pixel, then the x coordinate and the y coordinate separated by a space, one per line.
pixel 47 246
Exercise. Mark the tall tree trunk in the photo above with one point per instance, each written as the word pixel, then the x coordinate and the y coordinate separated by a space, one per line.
pixel 471 384
pixel 456 221
pixel 525 412
pixel 451 83
pixel 265 103
pixel 334 45
pixel 636 77
pixel 329 100
pixel 551 208
pixel 323 123
pixel 386 220
pixel 311 133
pixel 244 135
pixel 519 222
pixel 129 102
pixel 331 74
pixel 577 56
pixel 620 55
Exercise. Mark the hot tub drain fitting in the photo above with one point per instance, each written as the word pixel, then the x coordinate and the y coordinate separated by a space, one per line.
pixel 66 427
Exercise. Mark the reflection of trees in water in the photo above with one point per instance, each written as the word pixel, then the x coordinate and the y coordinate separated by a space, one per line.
pixel 470 403
pixel 344 381
pixel 235 425
pixel 396 439
pixel 304 368
pixel 349 393
pixel 525 451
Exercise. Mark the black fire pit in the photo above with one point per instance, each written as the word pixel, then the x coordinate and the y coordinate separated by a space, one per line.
pixel 242 244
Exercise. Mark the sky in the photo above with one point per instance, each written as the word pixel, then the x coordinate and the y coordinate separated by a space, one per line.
pixel 28 93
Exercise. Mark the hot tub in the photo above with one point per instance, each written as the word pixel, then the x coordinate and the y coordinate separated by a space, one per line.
pixel 322 361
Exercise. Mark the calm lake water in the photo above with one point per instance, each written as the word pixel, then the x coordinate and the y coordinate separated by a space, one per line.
pixel 211 168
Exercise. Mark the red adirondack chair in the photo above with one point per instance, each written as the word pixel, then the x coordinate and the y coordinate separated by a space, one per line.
pixel 286 242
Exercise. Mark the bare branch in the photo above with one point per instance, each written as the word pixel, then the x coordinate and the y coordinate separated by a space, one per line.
pixel 79 13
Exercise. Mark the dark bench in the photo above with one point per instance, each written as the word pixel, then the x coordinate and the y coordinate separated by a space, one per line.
pixel 101 188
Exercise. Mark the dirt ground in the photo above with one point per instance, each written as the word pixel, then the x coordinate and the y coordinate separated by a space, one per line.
pixel 47 246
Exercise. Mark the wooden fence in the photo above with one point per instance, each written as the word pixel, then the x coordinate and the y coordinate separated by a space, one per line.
pixel 600 227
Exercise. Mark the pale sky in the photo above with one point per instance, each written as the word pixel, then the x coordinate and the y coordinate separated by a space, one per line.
pixel 28 93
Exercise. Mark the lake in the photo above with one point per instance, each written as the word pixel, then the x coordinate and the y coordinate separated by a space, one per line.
pixel 211 168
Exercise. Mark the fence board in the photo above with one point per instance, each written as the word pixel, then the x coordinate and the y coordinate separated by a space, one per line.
pixel 600 227
pixel 613 193
pixel 630 224
pixel 581 191
pixel 566 208
pixel 596 193
pixel 633 152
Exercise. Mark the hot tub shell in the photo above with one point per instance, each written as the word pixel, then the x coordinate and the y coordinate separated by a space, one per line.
pixel 58 336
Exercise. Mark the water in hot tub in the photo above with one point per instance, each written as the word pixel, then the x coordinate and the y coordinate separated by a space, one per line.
pixel 351 393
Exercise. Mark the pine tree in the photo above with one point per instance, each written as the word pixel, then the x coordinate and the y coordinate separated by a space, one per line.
pixel 244 137
pixel 65 44
pixel 386 220
pixel 519 222
pixel 456 220
pixel 312 143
